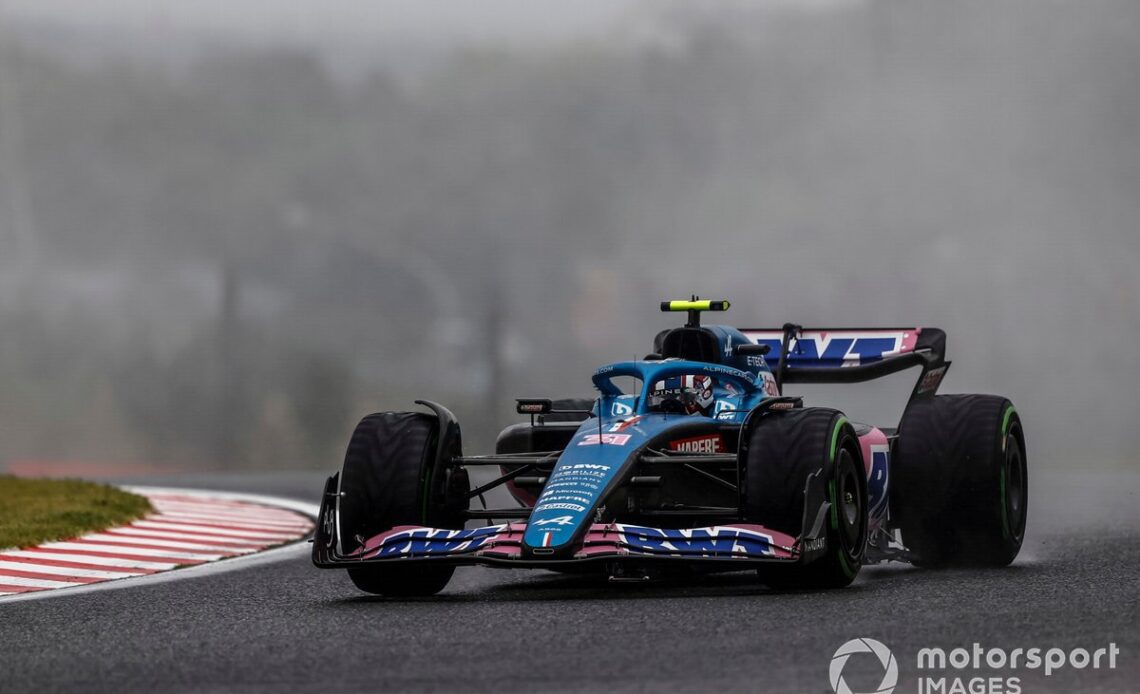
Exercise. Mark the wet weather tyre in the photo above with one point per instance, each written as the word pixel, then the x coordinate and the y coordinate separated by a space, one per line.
pixel 387 481
pixel 784 450
pixel 959 484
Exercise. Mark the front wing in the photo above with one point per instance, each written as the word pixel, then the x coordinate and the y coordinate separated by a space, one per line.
pixel 501 545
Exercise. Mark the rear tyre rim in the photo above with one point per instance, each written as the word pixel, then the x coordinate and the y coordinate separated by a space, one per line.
pixel 850 502
pixel 1015 491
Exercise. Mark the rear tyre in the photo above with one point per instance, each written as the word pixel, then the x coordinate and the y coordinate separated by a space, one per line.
pixel 784 450
pixel 387 481
pixel 959 486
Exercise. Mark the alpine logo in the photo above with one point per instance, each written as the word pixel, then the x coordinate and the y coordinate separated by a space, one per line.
pixel 560 520
pixel 713 443
pixel 620 409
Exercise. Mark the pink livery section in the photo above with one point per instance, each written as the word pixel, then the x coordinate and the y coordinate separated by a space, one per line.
pixel 876 458
pixel 504 542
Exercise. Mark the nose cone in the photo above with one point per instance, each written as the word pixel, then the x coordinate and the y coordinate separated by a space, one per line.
pixel 585 470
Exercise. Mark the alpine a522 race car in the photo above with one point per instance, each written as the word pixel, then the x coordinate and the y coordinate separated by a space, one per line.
pixel 705 464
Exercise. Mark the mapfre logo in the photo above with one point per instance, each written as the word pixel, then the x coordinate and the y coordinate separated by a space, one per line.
pixel 876 648
pixel 699 444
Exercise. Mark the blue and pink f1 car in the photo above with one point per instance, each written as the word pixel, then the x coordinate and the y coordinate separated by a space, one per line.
pixel 704 463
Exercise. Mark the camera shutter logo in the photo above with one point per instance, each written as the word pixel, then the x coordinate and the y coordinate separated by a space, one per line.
pixel 886 658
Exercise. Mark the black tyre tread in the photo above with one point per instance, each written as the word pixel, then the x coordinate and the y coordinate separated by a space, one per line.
pixel 382 475
pixel 788 449
pixel 384 482
pixel 784 450
pixel 945 493
pixel 401 581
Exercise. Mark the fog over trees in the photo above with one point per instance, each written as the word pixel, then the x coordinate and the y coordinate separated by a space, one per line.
pixel 222 258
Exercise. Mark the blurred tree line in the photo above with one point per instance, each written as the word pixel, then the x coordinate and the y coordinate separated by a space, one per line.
pixel 236 259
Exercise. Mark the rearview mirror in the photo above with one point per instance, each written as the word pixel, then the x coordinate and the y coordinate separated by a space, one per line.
pixel 534 405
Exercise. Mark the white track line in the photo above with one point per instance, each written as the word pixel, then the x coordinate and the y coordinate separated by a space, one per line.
pixel 133 551
pixel 175 540
pixel 206 530
pixel 33 582
pixel 140 533
pixel 152 543
pixel 213 505
pixel 210 544
pixel 49 571
pixel 88 559
pixel 284 520
pixel 224 510
pixel 246 523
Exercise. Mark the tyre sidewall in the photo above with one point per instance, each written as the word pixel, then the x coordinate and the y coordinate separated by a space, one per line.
pixel 785 449
pixel 951 481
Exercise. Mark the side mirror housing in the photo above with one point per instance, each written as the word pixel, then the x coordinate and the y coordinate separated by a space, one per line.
pixel 751 350
pixel 534 406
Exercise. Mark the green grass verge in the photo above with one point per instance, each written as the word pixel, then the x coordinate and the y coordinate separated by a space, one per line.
pixel 36 511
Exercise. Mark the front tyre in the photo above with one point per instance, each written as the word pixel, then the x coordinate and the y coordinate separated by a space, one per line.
pixel 784 450
pixel 959 488
pixel 388 480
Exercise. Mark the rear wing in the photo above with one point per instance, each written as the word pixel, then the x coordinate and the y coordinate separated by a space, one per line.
pixel 854 355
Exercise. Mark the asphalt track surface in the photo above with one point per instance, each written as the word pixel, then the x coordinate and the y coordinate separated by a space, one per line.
pixel 286 626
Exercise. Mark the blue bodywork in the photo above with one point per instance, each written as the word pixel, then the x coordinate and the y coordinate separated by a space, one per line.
pixel 601 451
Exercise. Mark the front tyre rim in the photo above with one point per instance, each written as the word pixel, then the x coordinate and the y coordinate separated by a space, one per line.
pixel 849 499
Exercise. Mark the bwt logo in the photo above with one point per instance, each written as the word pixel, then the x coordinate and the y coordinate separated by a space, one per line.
pixel 879 650
pixel 835 348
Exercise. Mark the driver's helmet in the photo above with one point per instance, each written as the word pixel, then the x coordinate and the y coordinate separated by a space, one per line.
pixel 682 395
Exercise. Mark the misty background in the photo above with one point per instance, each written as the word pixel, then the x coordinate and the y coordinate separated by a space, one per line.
pixel 226 234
